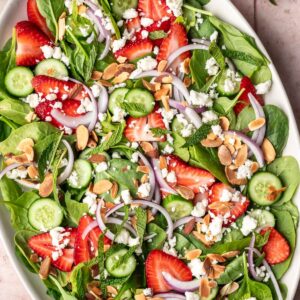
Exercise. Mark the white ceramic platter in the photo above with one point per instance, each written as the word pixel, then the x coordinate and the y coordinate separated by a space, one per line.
pixel 15 10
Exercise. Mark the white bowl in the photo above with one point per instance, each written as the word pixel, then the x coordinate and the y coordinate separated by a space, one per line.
pixel 15 10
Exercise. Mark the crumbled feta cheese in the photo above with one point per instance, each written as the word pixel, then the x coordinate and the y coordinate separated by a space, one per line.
pixel 84 30
pixel 116 86
pixel 244 171
pixel 147 63
pixel 65 59
pixel 86 105
pixel 229 85
pixel 169 250
pixel 200 99
pixel 249 224
pixel 144 190
pixel 196 267
pixel 187 131
pixel 118 115
pixel 145 34
pixel 33 100
pixel 171 177
pixel 130 13
pixel 68 131
pixel 191 296
pixel 57 105
pixel 214 36
pixel 118 44
pixel 156 50
pixel 217 130
pixel 91 200
pixel 115 154
pixel 133 241
pixel 168 149
pixel 226 195
pixel 209 116
pixel 47 51
pixel 148 292
pixel 102 117
pixel 215 226
pixel 199 209
pixel 103 166
pixel 48 119
pixel 73 178
pixel 263 87
pixel 126 197
pixel 95 88
pixel 17 173
pixel 122 237
pixel 212 66
pixel 145 22
pixel 135 157
pixel 134 145
pixel 57 53
pixel 175 6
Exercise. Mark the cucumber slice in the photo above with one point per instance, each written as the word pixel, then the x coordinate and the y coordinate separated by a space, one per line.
pixel 261 186
pixel 223 86
pixel 183 244
pixel 119 6
pixel 124 269
pixel 177 126
pixel 139 102
pixel 158 240
pixel 45 214
pixel 81 175
pixel 51 67
pixel 264 218
pixel 117 98
pixel 177 206
pixel 18 81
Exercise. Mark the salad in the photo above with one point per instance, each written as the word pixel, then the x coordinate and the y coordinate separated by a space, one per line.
pixel 139 158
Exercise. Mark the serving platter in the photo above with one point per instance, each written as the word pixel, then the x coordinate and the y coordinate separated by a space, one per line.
pixel 15 10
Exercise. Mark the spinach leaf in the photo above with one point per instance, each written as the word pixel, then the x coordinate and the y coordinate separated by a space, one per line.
pixel 75 210
pixel 5 130
pixel 183 244
pixel 262 75
pixel 217 54
pixel 79 279
pixel 285 225
pixel 244 118
pixel 221 248
pixel 233 271
pixel 9 189
pixel 36 131
pixel 64 294
pixel 101 263
pixel 260 290
pixel 277 127
pixel 15 110
pixel 205 30
pixel 207 159
pixel 179 150
pixel 291 208
pixel 42 144
pixel 287 169
pixel 51 10
pixel 158 240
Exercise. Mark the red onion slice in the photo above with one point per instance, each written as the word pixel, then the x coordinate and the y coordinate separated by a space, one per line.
pixel 106 49
pixel 193 117
pixel 201 41
pixel 9 168
pixel 251 144
pixel 179 285
pixel 89 228
pixel 91 4
pixel 27 184
pixel 98 22
pixel 68 169
pixel 102 100
pixel 170 296
pixel 71 122
pixel 185 220
pixel 157 199
pixel 176 104
pixel 251 264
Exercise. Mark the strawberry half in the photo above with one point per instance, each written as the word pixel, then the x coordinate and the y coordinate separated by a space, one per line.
pixel 133 24
pixel 158 262
pixel 138 129
pixel 30 39
pixel 41 244
pixel 277 249
pixel 86 249
pixel 35 17
pixel 191 177
pixel 235 209
pixel 176 38
pixel 244 99
pixel 154 9
pixel 137 49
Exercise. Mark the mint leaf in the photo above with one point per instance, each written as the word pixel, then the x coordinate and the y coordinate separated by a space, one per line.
pixel 156 35
pixel 125 257
pixel 141 216
pixel 133 107
pixel 158 132
pixel 217 54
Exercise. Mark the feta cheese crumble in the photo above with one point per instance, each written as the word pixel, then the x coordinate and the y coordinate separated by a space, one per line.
pixel 249 224
pixel 263 87
pixel 200 99
pixel 211 66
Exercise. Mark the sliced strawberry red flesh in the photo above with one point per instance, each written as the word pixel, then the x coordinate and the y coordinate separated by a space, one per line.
pixel 154 9
pixel 158 262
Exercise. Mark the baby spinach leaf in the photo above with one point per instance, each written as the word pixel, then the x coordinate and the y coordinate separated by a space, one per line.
pixel 64 294
pixel 36 131
pixel 15 110
pixel 205 30
pixel 287 169
pixel 277 127
pixel 158 240
pixel 262 75
pixel 217 54
pixel 75 209
pixel 244 118
pixel 5 129
pixel 183 244
pixel 291 208
pixel 233 271
pixel 10 190
pixel 179 150
pixel 79 279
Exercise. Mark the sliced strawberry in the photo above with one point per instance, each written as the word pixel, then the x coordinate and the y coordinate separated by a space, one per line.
pixel 154 9
pixel 70 107
pixel 137 49
pixel 41 244
pixel 133 24
pixel 43 110
pixel 138 129
pixel 277 249
pixel 235 207
pixel 158 262
pixel 35 17
pixel 176 38
pixel 189 176
pixel 85 249
pixel 244 99
pixel 30 39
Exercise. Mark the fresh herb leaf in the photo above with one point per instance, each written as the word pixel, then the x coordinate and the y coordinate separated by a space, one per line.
pixel 123 259
pixel 101 264
pixel 233 271
pixel 234 54
pixel 125 219
pixel 75 209
pixel 217 54
pixel 55 168
pixel 156 35
pixel 141 217
pixel 179 150
pixel 158 132
pixel 133 107
pixel 5 129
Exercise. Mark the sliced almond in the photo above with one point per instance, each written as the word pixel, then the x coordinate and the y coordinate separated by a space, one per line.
pixel 163 162
pixel 112 290
pixel 221 206
pixel 91 143
pixel 211 143
pixel 232 178
pixel 129 68
pixel 151 86
pixel 46 187
pixel 164 79
pixel 102 186
pixel 268 151
pixel 150 216
pixel 34 258
pixel 33 172
pixel 192 254
pixel 206 220
pixel 256 124
pixel 145 178
pixel 186 66
pixel 143 169
pixel 76 89
pixel 189 226
pixel 62 26
pixel 204 288
pixel 82 136
pixel 202 239
pixel 96 75
pixel 230 254
pixel 187 81
pixel 211 136
pixel 82 9
pixel 254 167
pixel 185 192
pixel 160 93
pixel 94 136
pixel 29 152
pixel 31 116
pixel 97 158
pixel 25 143
pixel 149 149
pixel 121 78
pixel 224 123
pixel 121 59
pixel 216 257
pixel 165 102
pixel 241 156
pixel 229 288
pixel 162 65
pixel 114 190
pixel 45 268
pixel 213 284
pixel 110 71
pixel 224 155
pixel 105 83
pixel 140 297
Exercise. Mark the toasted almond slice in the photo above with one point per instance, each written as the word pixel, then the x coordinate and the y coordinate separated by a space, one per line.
pixel 187 81
pixel 254 167
pixel 143 169
pixel 162 65
pixel 22 159
pixel 97 158
pixel 268 151
pixel 62 26
pixel 82 9
pixel 189 226
pixel 110 71
pixel 224 155
pixel 206 220
pixel 121 78
pixel 230 148
pixel 167 79
pixel 33 172
pixel 192 254
pixel 185 192
pixel 46 187
pixel 45 268
pixel 94 136
pixel 25 143
pixel 96 75
pixel 229 288
pixel 31 116
pixel 150 216
pixel 149 149
pixel 91 143
pixel 160 93
pixel 140 297
pixel 82 136
pixel 129 68
pixel 163 162
pixel 102 186
pixel 216 257
pixel 224 123
pixel 241 156
pixel 256 124
pixel 105 83
pixel 186 66
pixel 112 290
pixel 202 239
pixel 114 190
pixel 121 59
pixel 29 152
pixel 213 284
pixel 204 288
pixel 231 176
pixel 34 258
pixel 76 89
pixel 148 85
pixel 145 178
pixel 222 207
pixel 230 254
pixel 165 102
pixel 211 143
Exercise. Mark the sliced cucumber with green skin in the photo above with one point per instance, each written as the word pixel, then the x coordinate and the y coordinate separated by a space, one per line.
pixel 221 85
pixel 183 244
pixel 140 102
pixel 45 214
pixel 158 240
pixel 117 98
pixel 176 126
pixel 260 187
pixel 263 217
pixel 81 175
pixel 119 6
pixel 51 67
pixel 124 269
pixel 18 81
pixel 177 206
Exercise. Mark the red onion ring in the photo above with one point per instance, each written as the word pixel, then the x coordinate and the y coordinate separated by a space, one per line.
pixel 170 296
pixel 71 122
pixel 193 117
pixel 27 184
pixel 185 220
pixel 157 199
pixel 177 105
pixel 179 285
pixel 68 169
pixel 251 264
pixel 107 47
pixel 201 41
pixel 89 228
pixel 9 168
pixel 97 21
pixel 102 100
pixel 91 4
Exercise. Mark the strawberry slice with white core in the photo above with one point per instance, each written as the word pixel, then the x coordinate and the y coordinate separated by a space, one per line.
pixel 154 9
